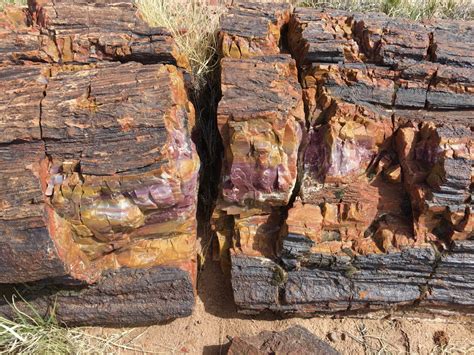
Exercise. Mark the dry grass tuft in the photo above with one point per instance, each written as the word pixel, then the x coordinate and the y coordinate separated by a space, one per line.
pixel 414 9
pixel 193 24
pixel 12 2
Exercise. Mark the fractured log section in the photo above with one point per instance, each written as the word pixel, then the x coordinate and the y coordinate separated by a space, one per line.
pixel 253 29
pixel 381 213
pixel 130 296
pixel 98 185
pixel 84 32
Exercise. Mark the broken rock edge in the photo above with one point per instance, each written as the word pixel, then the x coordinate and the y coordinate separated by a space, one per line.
pixel 424 289
pixel 44 293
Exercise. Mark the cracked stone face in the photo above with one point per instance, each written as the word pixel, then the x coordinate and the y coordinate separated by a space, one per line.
pixel 347 162
pixel 116 169
pixel 382 203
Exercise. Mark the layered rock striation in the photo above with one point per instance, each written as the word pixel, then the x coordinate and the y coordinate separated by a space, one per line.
pixel 99 173
pixel 380 204
pixel 347 162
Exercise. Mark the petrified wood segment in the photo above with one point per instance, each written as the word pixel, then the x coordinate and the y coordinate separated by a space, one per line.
pixel 253 29
pixel 330 36
pixel 18 40
pixel 294 340
pixel 452 43
pixel 27 250
pixel 98 184
pixel 20 103
pixel 321 36
pixel 87 31
pixel 99 173
pixel 122 297
pixel 437 160
pixel 261 120
pixel 115 166
pixel 323 282
pixel 452 283
pixel 382 207
pixel 83 32
pixel 133 210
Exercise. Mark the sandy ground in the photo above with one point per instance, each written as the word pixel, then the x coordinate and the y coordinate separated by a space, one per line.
pixel 215 321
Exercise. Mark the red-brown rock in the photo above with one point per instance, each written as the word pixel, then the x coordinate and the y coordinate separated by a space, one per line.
pixel 98 170
pixel 385 173
pixel 294 340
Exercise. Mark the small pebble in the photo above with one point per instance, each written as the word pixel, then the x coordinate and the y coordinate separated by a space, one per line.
pixel 333 336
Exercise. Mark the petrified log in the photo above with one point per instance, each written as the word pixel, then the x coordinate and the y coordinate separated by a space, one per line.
pixel 84 32
pixel 101 212
pixel 253 29
pixel 294 340
pixel 260 118
pixel 382 206
pixel 122 297
pixel 98 170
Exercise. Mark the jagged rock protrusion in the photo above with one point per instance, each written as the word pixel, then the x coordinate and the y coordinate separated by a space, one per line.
pixel 385 168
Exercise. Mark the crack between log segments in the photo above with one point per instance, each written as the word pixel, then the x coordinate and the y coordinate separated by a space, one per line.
pixel 430 83
pixel 425 288
pixel 41 116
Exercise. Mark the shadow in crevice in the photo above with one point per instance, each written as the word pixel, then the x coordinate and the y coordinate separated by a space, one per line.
pixel 216 349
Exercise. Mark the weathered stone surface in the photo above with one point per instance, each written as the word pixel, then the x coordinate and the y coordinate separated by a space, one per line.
pixel 20 103
pixel 321 36
pixel 253 29
pixel 351 179
pixel 18 40
pixel 123 297
pixel 347 172
pixel 83 32
pixel 388 41
pixel 294 340
pixel 452 282
pixel 331 36
pixel 382 208
pixel 135 211
pixel 145 202
pixel 90 31
pixel 310 282
pixel 437 160
pixel 98 182
pixel 28 252
pixel 261 120
pixel 452 42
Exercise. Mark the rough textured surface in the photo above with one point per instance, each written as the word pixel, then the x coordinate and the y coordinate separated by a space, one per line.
pixel 18 40
pixel 99 172
pixel 294 340
pixel 382 205
pixel 253 29
pixel 103 212
pixel 121 298
pixel 309 282
pixel 90 31
pixel 83 32
pixel 261 120
pixel 347 173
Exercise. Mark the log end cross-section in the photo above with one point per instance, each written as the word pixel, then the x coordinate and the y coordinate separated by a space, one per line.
pixel 99 175
pixel 381 210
